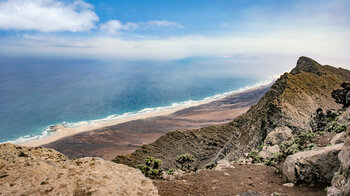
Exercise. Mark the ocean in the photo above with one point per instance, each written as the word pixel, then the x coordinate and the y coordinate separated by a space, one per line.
pixel 36 93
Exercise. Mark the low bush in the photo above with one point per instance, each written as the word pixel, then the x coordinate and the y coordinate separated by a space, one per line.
pixel 210 166
pixel 185 162
pixel 170 171
pixel 151 168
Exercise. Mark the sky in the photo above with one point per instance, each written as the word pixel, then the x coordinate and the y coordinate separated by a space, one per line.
pixel 262 30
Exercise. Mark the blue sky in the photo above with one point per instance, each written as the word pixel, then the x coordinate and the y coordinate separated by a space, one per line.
pixel 176 29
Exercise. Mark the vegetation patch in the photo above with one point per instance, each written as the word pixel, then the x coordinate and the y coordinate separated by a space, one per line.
pixel 185 162
pixel 210 166
pixel 170 171
pixel 301 142
pixel 151 168
pixel 335 127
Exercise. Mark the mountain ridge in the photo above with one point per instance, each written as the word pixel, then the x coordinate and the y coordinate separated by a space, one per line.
pixel 288 105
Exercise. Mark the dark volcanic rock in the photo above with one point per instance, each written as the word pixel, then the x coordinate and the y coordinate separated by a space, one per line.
pixel 307 65
pixel 319 120
pixel 342 96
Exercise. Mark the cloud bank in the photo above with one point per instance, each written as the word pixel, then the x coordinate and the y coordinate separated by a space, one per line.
pixel 46 15
pixel 53 16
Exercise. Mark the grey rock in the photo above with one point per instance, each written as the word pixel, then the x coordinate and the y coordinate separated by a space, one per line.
pixel 341 181
pixel 290 185
pixel 312 166
pixel 278 135
pixel 267 151
pixel 339 138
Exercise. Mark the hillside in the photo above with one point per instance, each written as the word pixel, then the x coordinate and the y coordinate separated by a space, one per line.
pixel 287 107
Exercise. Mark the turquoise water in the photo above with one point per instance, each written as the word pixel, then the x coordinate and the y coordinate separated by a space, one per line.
pixel 36 93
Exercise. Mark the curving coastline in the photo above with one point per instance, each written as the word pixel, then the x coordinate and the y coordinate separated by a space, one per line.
pixel 64 130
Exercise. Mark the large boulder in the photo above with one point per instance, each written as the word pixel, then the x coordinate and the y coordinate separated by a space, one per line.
pixel 312 166
pixel 341 181
pixel 42 171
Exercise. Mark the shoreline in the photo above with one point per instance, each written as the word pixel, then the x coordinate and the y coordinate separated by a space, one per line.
pixel 60 131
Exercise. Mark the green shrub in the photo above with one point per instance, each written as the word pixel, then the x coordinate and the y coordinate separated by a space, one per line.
pixel 254 155
pixel 311 146
pixel 275 158
pixel 152 168
pixel 170 171
pixel 210 166
pixel 336 127
pixel 321 132
pixel 296 144
pixel 326 189
pixel 185 162
pixel 340 128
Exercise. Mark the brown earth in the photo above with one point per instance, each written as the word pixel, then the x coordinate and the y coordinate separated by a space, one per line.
pixel 233 181
pixel 323 140
pixel 126 137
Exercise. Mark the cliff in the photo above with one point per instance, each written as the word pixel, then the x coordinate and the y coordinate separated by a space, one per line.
pixel 287 106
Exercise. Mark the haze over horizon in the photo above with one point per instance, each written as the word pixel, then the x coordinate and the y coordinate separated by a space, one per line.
pixel 257 33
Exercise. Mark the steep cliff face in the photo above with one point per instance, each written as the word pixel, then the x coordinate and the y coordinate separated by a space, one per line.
pixel 43 171
pixel 288 105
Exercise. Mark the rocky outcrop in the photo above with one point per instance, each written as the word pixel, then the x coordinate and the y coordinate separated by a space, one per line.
pixel 288 105
pixel 42 171
pixel 312 166
pixel 341 181
pixel 278 135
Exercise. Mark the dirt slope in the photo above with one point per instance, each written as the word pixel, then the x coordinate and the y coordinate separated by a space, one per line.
pixel 234 181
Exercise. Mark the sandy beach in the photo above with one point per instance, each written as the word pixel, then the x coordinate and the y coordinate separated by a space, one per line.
pixel 109 138
pixel 61 131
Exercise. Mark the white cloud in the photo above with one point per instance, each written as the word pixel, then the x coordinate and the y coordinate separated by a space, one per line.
pixel 164 23
pixel 114 27
pixel 46 15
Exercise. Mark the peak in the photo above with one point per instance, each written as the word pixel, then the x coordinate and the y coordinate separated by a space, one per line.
pixel 307 64
pixel 306 61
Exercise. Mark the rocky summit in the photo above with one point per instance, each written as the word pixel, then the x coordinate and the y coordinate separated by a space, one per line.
pixel 43 171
